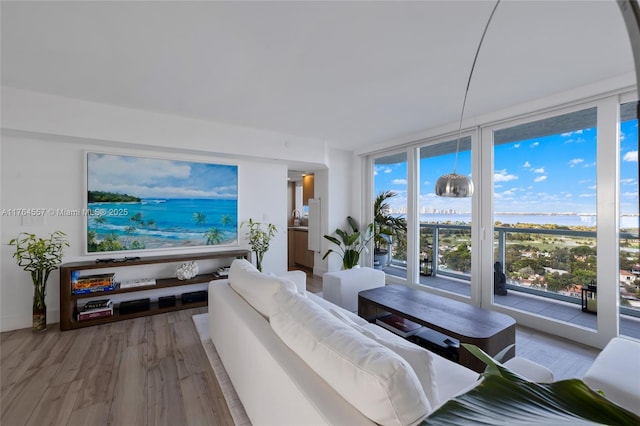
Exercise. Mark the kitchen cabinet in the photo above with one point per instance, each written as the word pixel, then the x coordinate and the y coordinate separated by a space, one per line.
pixel 299 253
pixel 307 189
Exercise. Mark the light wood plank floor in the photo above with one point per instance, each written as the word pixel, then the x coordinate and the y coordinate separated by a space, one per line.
pixel 154 371
pixel 146 371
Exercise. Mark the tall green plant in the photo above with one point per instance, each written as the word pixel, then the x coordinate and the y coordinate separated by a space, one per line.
pixel 350 244
pixel 259 238
pixel 386 225
pixel 39 257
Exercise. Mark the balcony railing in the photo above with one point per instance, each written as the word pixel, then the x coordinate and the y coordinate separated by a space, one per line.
pixel 441 242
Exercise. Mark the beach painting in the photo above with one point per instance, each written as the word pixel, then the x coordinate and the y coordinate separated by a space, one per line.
pixel 138 203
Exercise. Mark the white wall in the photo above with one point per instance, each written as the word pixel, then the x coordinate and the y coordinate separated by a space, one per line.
pixel 337 187
pixel 44 139
pixel 56 115
pixel 44 172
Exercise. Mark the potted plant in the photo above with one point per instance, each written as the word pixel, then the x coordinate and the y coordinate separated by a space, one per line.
pixel 351 243
pixel 259 238
pixel 506 398
pixel 39 257
pixel 386 227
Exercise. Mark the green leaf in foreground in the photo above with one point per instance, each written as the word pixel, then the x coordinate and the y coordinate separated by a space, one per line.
pixel 505 398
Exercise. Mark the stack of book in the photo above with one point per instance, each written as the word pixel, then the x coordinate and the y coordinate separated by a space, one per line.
pixel 398 325
pixel 96 309
pixel 222 272
pixel 92 283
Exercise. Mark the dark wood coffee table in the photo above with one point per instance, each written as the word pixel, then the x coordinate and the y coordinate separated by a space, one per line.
pixel 490 331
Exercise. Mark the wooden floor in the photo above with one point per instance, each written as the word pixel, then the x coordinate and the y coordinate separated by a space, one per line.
pixel 146 371
pixel 154 371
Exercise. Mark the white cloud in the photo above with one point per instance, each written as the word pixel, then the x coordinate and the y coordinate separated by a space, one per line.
pixel 592 187
pixel 577 132
pixel 426 182
pixel 584 181
pixel 539 170
pixel 628 181
pixel 388 170
pixel 540 179
pixel 632 195
pixel 399 182
pixel 526 165
pixel 631 156
pixel 516 145
pixel 535 144
pixel 503 176
pixel 568 195
pixel 575 162
pixel 586 195
pixel 123 170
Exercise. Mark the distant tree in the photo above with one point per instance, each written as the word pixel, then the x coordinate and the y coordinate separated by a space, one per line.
pixel 92 245
pixel 582 251
pixel 100 219
pixel 225 220
pixel 136 245
pixel 213 236
pixel 112 197
pixel 459 259
pixel 110 243
pixel 199 218
pixel 137 219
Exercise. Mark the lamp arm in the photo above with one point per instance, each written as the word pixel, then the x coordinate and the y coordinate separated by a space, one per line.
pixel 466 92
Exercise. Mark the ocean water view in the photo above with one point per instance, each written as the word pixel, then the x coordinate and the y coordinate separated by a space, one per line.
pixel 626 222
pixel 163 223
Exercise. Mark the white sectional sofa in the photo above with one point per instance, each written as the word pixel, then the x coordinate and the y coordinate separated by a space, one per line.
pixel 296 359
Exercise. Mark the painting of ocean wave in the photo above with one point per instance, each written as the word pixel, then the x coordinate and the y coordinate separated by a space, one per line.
pixel 137 203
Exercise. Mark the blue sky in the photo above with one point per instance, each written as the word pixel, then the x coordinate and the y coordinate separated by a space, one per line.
pixel 551 174
pixel 160 178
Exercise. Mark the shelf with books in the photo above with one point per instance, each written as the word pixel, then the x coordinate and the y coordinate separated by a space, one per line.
pixel 160 283
pixel 87 271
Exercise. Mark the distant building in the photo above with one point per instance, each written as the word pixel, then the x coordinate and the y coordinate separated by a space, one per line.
pixel 627 277
pixel 559 271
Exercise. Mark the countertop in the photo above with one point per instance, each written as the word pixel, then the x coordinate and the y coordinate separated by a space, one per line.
pixel 298 228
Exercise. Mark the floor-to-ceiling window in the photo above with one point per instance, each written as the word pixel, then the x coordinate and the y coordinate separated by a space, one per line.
pixel 544 210
pixel 390 178
pixel 445 223
pixel 629 282
pixel 545 213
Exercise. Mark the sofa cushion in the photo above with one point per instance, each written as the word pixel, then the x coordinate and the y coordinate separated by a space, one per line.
pixel 255 287
pixel 418 358
pixel 372 378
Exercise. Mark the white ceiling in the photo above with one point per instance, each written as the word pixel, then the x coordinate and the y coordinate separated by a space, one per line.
pixel 350 73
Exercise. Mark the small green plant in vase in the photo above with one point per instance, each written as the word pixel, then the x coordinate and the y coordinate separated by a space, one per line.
pixel 39 257
pixel 259 238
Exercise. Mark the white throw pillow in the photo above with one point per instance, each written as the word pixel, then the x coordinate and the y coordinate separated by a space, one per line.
pixel 255 287
pixel 418 358
pixel 371 377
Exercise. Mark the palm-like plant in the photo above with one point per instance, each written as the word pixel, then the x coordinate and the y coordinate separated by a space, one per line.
pixel 351 244
pixel 213 236
pixel 386 225
pixel 199 218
